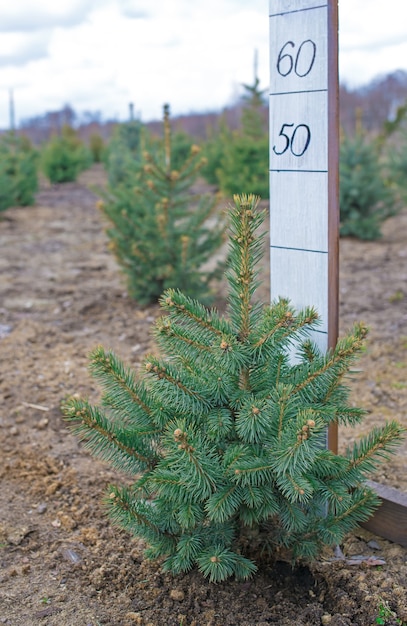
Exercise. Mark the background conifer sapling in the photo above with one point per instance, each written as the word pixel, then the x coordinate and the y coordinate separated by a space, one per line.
pixel 18 171
pixel 366 198
pixel 162 233
pixel 123 156
pixel 65 156
pixel 225 435
pixel 244 152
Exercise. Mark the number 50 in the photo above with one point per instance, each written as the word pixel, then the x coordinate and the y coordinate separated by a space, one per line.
pixel 297 141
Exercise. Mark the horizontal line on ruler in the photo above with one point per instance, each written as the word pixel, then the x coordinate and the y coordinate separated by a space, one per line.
pixel 304 171
pixel 288 93
pixel 321 332
pixel 299 249
pixel 320 6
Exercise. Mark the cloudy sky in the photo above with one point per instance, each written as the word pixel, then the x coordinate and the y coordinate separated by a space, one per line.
pixel 99 55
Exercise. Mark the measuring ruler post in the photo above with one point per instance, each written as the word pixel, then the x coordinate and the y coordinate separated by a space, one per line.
pixel 304 156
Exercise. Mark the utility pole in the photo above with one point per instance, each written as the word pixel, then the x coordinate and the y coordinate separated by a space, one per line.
pixel 11 110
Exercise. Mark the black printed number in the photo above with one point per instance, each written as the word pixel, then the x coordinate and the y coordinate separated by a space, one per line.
pixel 295 139
pixel 301 61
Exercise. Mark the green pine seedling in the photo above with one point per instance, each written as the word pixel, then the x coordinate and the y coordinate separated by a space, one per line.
pixel 162 233
pixel 226 436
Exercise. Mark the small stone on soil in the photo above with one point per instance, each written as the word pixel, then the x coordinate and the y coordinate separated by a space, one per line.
pixel 374 545
pixel 134 617
pixel 177 594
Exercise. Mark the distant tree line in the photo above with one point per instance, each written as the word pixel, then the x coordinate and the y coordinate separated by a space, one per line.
pixel 235 150
pixel 373 104
pixel 378 101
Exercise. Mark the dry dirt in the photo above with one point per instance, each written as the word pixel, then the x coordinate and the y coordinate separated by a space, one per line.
pixel 61 561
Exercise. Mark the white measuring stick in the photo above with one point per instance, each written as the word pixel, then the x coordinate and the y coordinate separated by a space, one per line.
pixel 304 159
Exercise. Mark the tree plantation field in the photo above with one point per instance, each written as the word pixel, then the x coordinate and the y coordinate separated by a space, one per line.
pixel 62 563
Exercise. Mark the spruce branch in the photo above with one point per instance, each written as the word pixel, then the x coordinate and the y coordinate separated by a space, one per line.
pixel 378 444
pixel 224 503
pixel 169 382
pixel 193 313
pixel 219 563
pixel 129 512
pixel 364 501
pixel 111 374
pixel 245 252
pixel 282 323
pixel 127 450
pixel 335 365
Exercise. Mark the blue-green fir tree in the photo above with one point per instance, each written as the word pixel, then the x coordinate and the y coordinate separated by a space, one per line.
pixel 224 433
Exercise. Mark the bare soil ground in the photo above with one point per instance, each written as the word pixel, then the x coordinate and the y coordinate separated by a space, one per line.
pixel 61 561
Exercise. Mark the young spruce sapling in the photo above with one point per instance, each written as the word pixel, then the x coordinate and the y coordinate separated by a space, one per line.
pixel 225 434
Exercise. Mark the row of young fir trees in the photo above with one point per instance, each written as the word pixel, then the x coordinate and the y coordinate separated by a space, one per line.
pixel 60 160
pixel 372 169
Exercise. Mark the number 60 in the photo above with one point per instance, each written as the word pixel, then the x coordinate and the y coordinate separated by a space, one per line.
pixel 307 49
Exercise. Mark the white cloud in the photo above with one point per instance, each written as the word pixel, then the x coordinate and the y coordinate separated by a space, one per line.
pixel 19 49
pixel 25 16
pixel 135 9
pixel 185 57
pixel 372 39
